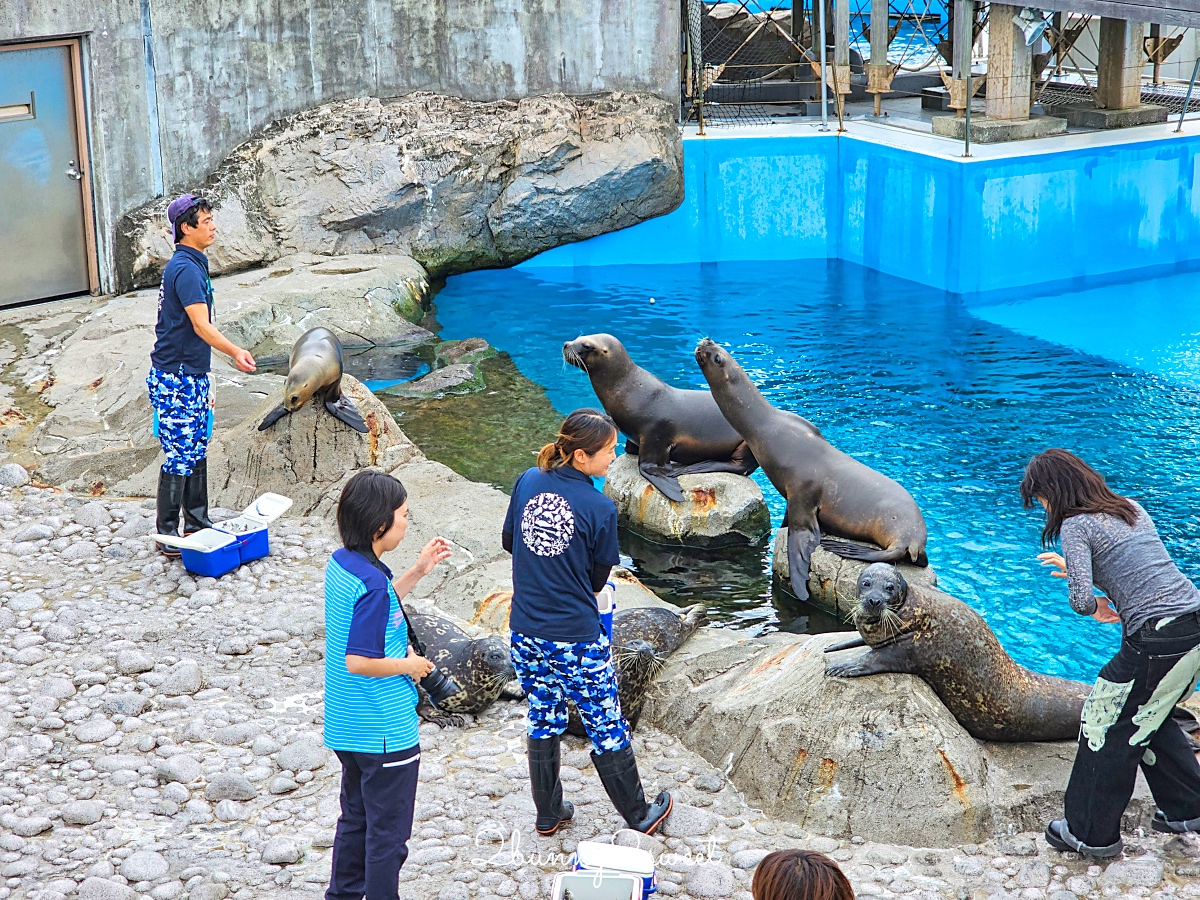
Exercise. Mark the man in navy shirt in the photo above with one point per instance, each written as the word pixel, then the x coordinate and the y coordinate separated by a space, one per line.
pixel 179 386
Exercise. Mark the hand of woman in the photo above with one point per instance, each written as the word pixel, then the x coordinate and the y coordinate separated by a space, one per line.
pixel 1104 612
pixel 431 554
pixel 1056 560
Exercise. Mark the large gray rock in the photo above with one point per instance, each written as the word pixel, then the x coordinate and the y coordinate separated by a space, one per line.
pixel 455 184
pixel 833 580
pixel 307 455
pixel 877 757
pixel 721 509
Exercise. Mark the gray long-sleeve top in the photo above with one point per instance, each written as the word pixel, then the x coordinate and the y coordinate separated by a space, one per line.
pixel 1129 563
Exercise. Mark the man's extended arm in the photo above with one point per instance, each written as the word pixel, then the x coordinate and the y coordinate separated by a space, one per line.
pixel 211 335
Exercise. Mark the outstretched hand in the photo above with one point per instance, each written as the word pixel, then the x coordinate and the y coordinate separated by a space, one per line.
pixel 431 554
pixel 1104 612
pixel 1056 560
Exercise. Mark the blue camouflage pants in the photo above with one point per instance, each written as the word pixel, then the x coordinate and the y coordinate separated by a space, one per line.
pixel 181 402
pixel 551 672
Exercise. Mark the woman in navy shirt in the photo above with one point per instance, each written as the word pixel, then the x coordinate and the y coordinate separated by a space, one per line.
pixel 562 533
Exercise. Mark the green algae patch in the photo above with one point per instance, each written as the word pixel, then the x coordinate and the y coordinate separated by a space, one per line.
pixel 491 435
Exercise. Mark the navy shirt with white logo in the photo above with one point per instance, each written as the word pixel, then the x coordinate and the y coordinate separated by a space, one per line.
pixel 177 346
pixel 562 527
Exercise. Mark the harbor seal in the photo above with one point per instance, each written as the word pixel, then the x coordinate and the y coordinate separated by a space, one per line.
pixel 922 631
pixel 481 666
pixel 315 370
pixel 643 638
pixel 828 492
pixel 673 432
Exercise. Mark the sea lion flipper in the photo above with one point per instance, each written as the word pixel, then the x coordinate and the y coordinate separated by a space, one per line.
pixel 848 550
pixel 803 537
pixel 708 465
pixel 659 477
pixel 343 410
pixel 848 644
pixel 272 417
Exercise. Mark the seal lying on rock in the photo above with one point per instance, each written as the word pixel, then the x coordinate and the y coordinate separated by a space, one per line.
pixel 827 491
pixel 921 631
pixel 481 666
pixel 643 638
pixel 673 432
pixel 315 370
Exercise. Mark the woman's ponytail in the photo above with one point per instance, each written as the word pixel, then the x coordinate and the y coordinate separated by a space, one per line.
pixel 588 430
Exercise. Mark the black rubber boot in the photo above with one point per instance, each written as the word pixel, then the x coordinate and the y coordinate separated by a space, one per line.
pixel 1059 836
pixel 619 774
pixel 170 498
pixel 195 499
pixel 552 810
pixel 1160 822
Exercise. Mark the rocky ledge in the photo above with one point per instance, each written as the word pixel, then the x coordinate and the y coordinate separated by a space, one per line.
pixel 455 184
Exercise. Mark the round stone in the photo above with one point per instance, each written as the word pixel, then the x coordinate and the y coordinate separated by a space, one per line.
pixel 94 731
pixel 282 851
pixel 93 515
pixel 82 812
pixel 180 768
pixel 230 786
pixel 713 879
pixel 144 865
pixel 688 821
pixel 13 475
pixel 133 662
pixel 303 754
pixel 31 826
pixel 102 889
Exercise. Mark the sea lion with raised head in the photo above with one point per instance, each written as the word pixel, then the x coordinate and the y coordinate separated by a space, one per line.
pixel 828 492
pixel 643 638
pixel 915 630
pixel 673 432
pixel 315 370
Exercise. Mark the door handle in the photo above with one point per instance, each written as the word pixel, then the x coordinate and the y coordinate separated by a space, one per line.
pixel 72 172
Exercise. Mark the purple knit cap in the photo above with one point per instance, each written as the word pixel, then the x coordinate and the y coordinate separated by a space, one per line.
pixel 179 207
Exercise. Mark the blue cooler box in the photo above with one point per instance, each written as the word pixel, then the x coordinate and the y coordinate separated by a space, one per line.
pixel 219 550
pixel 593 856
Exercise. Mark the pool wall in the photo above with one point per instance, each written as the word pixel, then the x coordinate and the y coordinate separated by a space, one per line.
pixel 965 226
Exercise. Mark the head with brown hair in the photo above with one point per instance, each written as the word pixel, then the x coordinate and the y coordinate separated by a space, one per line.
pixel 1070 487
pixel 800 875
pixel 588 430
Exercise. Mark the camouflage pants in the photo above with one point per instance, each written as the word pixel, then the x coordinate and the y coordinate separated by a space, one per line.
pixel 181 404
pixel 552 672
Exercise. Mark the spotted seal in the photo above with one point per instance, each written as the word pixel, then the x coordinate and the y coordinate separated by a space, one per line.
pixel 481 666
pixel 673 432
pixel 643 638
pixel 315 370
pixel 828 492
pixel 922 631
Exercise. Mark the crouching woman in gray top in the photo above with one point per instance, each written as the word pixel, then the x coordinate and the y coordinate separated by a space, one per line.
pixel 1109 542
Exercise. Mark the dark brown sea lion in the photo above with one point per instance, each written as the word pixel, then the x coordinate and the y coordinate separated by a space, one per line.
pixel 643 638
pixel 481 666
pixel 922 631
pixel 315 370
pixel 673 432
pixel 827 491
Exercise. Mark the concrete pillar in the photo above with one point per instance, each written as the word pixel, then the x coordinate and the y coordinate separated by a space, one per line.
pixel 879 73
pixel 841 45
pixel 1010 66
pixel 1119 69
pixel 963 41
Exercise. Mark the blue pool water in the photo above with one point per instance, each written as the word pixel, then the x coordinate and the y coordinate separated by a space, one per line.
pixel 949 399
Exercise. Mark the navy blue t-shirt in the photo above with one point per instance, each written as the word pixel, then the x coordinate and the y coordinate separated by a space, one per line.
pixel 185 281
pixel 562 527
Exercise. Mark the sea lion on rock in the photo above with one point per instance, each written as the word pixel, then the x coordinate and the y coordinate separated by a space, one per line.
pixel 643 638
pixel 673 432
pixel 922 631
pixel 315 370
pixel 481 666
pixel 828 492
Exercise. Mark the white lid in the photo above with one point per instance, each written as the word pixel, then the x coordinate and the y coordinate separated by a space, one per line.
pixel 268 507
pixel 594 855
pixel 586 886
pixel 205 540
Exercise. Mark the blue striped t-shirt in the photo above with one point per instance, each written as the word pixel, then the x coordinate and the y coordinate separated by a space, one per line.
pixel 364 714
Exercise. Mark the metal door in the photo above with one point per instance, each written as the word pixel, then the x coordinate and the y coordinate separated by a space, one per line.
pixel 44 208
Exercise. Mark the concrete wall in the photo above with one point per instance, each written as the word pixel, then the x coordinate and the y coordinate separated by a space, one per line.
pixel 224 70
pixel 966 227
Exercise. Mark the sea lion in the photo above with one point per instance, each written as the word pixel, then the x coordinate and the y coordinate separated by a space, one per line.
pixel 828 492
pixel 643 638
pixel 673 432
pixel 922 631
pixel 315 370
pixel 481 666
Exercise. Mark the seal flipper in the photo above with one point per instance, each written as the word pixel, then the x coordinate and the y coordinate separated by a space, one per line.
pixel 804 534
pixel 848 644
pixel 659 477
pixel 343 410
pixel 272 417
pixel 891 658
